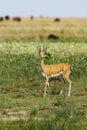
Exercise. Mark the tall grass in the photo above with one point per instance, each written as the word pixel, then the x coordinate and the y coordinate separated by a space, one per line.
pixel 20 61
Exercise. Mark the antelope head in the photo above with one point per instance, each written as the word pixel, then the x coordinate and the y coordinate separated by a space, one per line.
pixel 42 51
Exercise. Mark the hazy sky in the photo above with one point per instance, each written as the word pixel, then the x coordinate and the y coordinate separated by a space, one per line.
pixel 50 8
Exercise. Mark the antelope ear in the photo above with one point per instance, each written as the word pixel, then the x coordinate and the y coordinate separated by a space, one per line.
pixel 39 49
pixel 45 49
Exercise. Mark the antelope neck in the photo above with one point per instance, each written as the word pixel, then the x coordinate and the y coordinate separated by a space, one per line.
pixel 42 60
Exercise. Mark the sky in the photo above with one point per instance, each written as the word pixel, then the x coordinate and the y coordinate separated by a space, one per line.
pixel 45 8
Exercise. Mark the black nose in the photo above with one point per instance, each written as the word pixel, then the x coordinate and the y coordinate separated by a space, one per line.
pixel 41 57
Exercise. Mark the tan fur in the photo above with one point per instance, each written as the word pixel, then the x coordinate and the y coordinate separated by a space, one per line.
pixel 54 69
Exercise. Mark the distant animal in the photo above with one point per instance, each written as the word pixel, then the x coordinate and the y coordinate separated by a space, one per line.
pixel 52 37
pixel 57 20
pixel 7 17
pixel 41 16
pixel 1 19
pixel 18 19
pixel 31 17
pixel 54 70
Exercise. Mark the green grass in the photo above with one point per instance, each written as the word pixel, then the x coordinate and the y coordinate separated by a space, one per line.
pixel 22 105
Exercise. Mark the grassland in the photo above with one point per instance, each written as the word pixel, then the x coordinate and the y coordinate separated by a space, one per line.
pixel 22 106
pixel 68 29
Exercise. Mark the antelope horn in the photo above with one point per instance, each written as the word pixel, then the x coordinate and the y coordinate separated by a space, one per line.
pixel 42 48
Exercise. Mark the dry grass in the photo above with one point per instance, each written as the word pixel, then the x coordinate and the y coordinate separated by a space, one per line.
pixel 40 28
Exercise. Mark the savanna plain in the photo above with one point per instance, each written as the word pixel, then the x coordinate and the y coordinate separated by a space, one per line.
pixel 22 106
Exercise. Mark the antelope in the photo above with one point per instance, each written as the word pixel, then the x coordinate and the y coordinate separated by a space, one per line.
pixel 54 70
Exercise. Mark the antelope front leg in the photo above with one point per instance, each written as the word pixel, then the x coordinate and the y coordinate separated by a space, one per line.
pixel 69 87
pixel 46 84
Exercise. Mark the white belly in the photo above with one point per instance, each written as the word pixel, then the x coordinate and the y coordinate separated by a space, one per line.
pixel 53 75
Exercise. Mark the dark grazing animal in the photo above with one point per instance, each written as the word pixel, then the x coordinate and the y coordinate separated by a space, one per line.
pixel 18 19
pixel 31 17
pixel 1 19
pixel 52 37
pixel 57 20
pixel 7 17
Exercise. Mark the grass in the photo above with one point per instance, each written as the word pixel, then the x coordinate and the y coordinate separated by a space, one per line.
pixel 22 105
pixel 68 29
pixel 21 87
